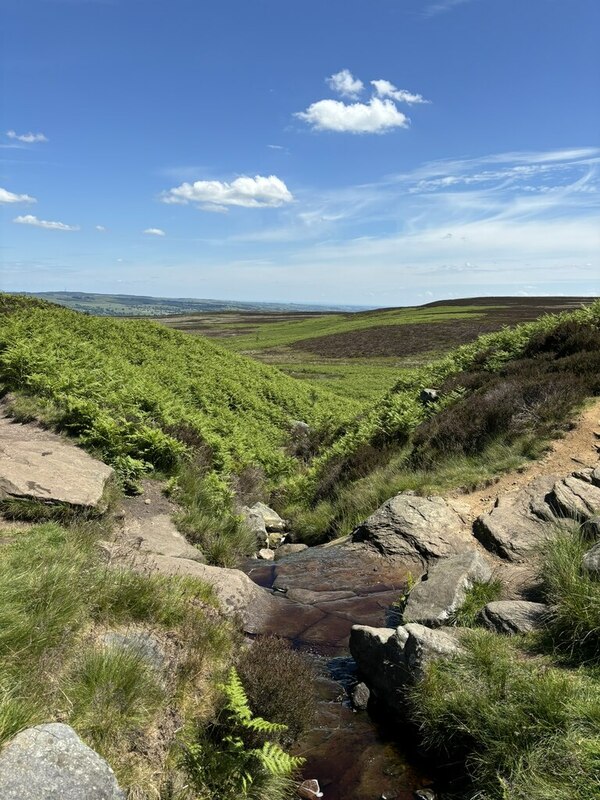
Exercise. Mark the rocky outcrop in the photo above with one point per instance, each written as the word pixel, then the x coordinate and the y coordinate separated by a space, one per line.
pixel 591 561
pixel 513 616
pixel 518 523
pixel 50 762
pixel 158 534
pixel 415 528
pixel 38 465
pixel 444 588
pixel 389 659
pixel 575 498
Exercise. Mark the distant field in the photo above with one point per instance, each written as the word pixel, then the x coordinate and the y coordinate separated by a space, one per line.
pixel 360 354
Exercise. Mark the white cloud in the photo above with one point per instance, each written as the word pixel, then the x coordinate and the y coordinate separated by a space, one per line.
pixel 345 84
pixel 155 232
pixel 29 219
pixel 376 116
pixel 257 192
pixel 10 197
pixel 386 89
pixel 27 138
pixel 100 228
pixel 442 6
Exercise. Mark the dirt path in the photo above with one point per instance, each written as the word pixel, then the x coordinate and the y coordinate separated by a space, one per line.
pixel 578 448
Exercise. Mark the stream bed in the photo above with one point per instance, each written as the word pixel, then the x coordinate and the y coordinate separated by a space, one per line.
pixel 323 592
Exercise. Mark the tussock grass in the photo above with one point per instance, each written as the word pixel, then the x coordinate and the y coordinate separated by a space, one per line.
pixel 478 596
pixel 526 730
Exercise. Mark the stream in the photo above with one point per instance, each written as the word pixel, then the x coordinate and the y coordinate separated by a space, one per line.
pixel 324 591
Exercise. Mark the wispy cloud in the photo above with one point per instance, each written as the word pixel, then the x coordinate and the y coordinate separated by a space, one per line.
pixel 386 89
pixel 245 192
pixel 100 228
pixel 30 219
pixel 155 232
pixel 10 197
pixel 27 138
pixel 443 5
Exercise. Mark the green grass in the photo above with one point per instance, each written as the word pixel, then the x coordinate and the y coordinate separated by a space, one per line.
pixel 478 596
pixel 525 729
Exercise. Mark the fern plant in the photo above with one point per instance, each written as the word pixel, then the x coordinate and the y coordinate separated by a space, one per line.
pixel 232 758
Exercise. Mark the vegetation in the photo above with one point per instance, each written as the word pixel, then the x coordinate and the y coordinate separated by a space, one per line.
pixel 478 596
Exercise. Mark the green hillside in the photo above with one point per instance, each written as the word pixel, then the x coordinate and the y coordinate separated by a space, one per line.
pixel 142 396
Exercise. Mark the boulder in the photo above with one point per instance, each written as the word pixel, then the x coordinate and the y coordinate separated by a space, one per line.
pixel 591 561
pixel 50 762
pixel 367 646
pixel 39 465
pixel 158 534
pixel 519 522
pixel 591 527
pixel 360 695
pixel 444 588
pixel 415 528
pixel 266 554
pixel 575 498
pixel 285 550
pixel 256 523
pixel 513 616
pixel 271 519
pixel 424 645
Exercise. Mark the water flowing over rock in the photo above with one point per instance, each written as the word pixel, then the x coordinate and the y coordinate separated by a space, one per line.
pixel 38 465
pixel 415 528
pixel 513 616
pixel 444 588
pixel 50 762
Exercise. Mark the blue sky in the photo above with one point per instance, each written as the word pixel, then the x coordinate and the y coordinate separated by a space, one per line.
pixel 375 152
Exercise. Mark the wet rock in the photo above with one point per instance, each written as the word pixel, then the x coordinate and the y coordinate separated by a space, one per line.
pixel 285 550
pixel 575 499
pixel 425 794
pixel 415 528
pixel 591 561
pixel 513 616
pixel 50 762
pixel 519 522
pixel 271 519
pixel 143 644
pixel 444 588
pixel 367 647
pixel 425 645
pixel 39 465
pixel 360 695
pixel 266 554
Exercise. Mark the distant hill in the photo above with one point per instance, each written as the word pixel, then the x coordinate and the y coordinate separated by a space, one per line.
pixel 130 305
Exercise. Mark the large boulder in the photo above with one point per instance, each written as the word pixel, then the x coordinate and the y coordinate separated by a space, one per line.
pixel 444 588
pixel 575 498
pixel 158 534
pixel 424 645
pixel 38 465
pixel 50 762
pixel 519 522
pixel 271 519
pixel 591 561
pixel 513 616
pixel 415 528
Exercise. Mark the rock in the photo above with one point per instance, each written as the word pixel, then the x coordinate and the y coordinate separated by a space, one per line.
pixel 519 522
pixel 425 645
pixel 513 616
pixel 591 527
pixel 39 465
pixel 275 540
pixel 141 643
pixel 266 554
pixel 574 498
pixel 271 519
pixel 367 646
pixel 285 550
pixel 360 695
pixel 425 794
pixel 158 534
pixel 418 528
pixel 310 789
pixel 428 396
pixel 237 595
pixel 50 762
pixel 256 523
pixel 444 588
pixel 591 561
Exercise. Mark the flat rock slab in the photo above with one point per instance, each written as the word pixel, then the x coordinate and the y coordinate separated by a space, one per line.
pixel 50 762
pixel 415 528
pixel 518 523
pixel 39 465
pixel 444 588
pixel 513 616
pixel 158 534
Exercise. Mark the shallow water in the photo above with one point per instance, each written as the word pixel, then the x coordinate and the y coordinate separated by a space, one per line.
pixel 354 755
